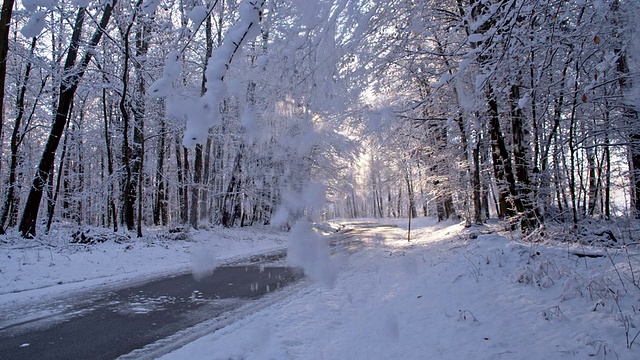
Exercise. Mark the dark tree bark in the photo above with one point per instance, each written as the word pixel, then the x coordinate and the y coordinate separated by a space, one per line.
pixel 522 164
pixel 107 139
pixel 53 199
pixel 572 151
pixel 195 188
pixel 139 110
pixel 5 19
pixel 410 193
pixel 498 155
pixel 631 115
pixel 204 208
pixel 183 203
pixel 160 209
pixel 16 139
pixel 231 209
pixel 69 85
pixel 129 158
pixel 607 182
pixel 477 186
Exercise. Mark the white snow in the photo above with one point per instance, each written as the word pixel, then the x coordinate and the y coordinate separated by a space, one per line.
pixel 203 260
pixel 207 113
pixel 308 250
pixel 33 5
pixel 476 37
pixel 80 3
pixel 34 26
pixel 252 129
pixel 173 67
pixel 198 14
pixel 171 71
pixel 451 293
pixel 524 101
pixel 37 271
pixel 150 6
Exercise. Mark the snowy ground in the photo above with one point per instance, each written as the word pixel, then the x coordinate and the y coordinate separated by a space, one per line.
pixel 447 295
pixel 451 293
pixel 34 273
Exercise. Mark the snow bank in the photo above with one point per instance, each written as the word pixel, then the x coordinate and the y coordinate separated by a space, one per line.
pixel 452 293
pixel 56 266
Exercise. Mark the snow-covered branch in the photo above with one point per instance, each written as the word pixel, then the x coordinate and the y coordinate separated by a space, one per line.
pixel 207 114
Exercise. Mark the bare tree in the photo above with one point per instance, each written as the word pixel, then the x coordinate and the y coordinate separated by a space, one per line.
pixel 72 75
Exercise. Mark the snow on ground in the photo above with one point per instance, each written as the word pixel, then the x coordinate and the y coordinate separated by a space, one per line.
pixel 41 270
pixel 451 293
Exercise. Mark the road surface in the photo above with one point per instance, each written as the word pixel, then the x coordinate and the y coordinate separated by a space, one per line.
pixel 146 320
pixel 106 325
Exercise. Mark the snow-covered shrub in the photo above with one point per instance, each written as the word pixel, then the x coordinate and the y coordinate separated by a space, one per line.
pixel 541 272
pixel 93 236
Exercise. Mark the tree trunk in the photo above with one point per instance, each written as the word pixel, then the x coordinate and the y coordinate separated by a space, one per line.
pixel 231 210
pixel 130 152
pixel 68 87
pixel 198 163
pixel 499 156
pixel 522 165
pixel 183 203
pixel 593 182
pixel 195 188
pixel 5 19
pixel 160 208
pixel 631 115
pixel 412 202
pixel 16 139
pixel 139 110
pixel 477 193
pixel 107 140
pixel 607 175
pixel 572 152
pixel 53 199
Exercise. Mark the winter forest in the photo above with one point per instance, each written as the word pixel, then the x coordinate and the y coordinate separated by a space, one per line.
pixel 132 114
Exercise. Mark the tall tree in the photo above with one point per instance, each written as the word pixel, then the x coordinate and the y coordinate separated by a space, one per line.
pixel 5 19
pixel 72 75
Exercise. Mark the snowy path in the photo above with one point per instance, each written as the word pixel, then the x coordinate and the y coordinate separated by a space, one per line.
pixel 452 293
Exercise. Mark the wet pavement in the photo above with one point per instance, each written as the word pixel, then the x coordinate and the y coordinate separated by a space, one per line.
pixel 113 323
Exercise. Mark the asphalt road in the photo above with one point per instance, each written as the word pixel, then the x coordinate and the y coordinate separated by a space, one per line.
pixel 113 323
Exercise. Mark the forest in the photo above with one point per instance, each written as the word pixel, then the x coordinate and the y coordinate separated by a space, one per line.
pixel 196 113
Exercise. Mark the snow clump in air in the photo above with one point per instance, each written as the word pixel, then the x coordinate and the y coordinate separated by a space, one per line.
pixel 198 14
pixel 203 262
pixel 35 24
pixel 33 5
pixel 150 6
pixel 310 251
pixel 80 3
